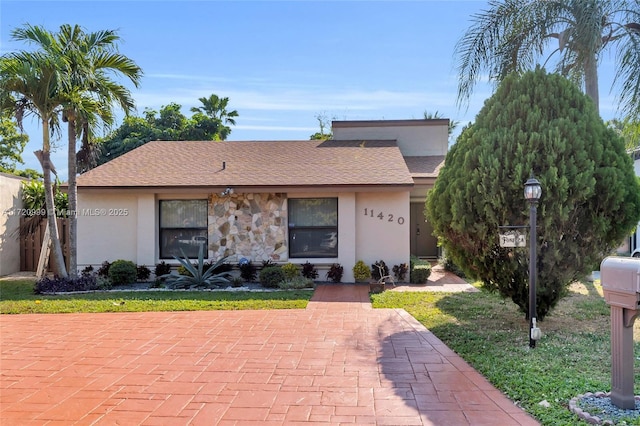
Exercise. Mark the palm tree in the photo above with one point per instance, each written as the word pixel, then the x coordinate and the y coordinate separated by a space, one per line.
pixel 30 83
pixel 87 61
pixel 216 108
pixel 90 61
pixel 436 115
pixel 513 34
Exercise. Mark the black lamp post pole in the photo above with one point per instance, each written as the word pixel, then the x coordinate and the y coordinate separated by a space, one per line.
pixel 533 212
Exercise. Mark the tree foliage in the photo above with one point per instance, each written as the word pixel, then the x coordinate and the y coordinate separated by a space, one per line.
pixel 12 144
pixel 536 124
pixel 33 82
pixel 513 35
pixel 168 124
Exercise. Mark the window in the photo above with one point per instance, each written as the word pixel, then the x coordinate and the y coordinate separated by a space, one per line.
pixel 183 225
pixel 313 227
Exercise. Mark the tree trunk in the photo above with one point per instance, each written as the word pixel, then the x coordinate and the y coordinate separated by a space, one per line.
pixel 72 192
pixel 591 80
pixel 45 161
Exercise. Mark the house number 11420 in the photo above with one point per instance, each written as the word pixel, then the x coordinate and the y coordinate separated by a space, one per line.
pixel 382 216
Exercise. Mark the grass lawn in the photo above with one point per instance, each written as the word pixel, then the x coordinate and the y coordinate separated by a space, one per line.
pixel 572 358
pixel 17 297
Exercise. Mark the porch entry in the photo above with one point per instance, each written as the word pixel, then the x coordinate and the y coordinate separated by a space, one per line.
pixel 423 243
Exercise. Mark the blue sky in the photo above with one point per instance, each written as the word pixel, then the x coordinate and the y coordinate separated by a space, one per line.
pixel 280 63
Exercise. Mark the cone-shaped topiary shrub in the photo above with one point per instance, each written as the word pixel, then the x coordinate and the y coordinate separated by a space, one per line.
pixel 542 125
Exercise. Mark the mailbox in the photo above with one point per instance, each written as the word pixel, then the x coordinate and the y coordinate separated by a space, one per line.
pixel 620 279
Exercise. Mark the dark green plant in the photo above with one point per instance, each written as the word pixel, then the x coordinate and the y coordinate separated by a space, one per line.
pixel 87 271
pixel 309 270
pixel 449 266
pixel 161 269
pixel 199 276
pixel 268 263
pixel 400 271
pixel 219 268
pixel 143 273
pixel 103 270
pixel 335 273
pixel 361 271
pixel 248 270
pixel 536 124
pixel 65 284
pixel 379 269
pixel 271 276
pixel 122 272
pixel 290 271
pixel 420 273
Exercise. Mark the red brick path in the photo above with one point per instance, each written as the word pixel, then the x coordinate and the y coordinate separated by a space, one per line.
pixel 338 361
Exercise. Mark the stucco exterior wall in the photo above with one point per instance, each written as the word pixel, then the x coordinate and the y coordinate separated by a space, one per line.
pixel 382 227
pixel 125 226
pixel 10 203
pixel 109 227
pixel 413 140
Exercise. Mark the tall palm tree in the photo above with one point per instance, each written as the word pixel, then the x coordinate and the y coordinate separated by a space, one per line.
pixel 30 83
pixel 87 60
pixel 216 108
pixel 512 35
pixel 91 59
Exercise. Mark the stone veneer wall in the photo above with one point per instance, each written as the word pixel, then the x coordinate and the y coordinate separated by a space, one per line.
pixel 248 225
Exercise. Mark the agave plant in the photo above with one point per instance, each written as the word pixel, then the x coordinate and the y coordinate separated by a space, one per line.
pixel 201 275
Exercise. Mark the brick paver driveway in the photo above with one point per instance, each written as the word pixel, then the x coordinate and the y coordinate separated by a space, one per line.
pixel 338 361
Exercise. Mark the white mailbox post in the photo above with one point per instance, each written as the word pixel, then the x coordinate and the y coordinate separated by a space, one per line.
pixel 620 279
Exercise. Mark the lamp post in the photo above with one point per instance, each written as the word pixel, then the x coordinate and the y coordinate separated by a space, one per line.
pixel 532 193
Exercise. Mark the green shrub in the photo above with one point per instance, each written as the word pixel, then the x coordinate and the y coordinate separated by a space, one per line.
pixel 296 283
pixel 123 272
pixel 420 274
pixel 290 271
pixel 182 270
pixel 449 266
pixel 361 271
pixel 271 276
pixel 541 125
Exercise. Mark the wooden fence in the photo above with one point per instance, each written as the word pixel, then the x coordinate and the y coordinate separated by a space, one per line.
pixel 31 245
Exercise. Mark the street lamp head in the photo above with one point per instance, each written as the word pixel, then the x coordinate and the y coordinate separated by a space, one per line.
pixel 532 190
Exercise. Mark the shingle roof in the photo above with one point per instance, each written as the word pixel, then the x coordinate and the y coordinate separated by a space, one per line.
pixel 428 166
pixel 253 163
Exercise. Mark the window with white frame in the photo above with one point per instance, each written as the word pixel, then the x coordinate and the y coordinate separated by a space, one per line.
pixel 313 227
pixel 183 228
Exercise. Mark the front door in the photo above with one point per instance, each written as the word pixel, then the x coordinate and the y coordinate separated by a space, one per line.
pixel 423 243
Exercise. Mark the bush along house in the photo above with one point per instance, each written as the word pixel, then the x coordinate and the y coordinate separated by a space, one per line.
pixel 357 196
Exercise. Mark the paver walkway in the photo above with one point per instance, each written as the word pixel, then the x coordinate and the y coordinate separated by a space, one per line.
pixel 338 361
